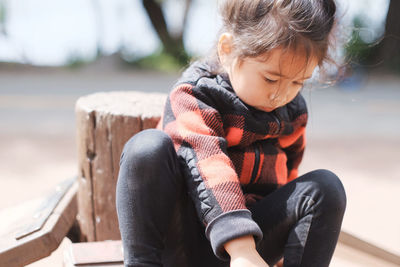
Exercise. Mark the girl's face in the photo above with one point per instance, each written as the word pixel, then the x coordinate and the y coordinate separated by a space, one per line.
pixel 270 81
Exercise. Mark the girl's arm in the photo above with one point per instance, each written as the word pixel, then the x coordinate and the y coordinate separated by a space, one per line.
pixel 196 128
pixel 243 252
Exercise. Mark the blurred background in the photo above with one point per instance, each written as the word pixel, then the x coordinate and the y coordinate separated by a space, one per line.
pixel 53 52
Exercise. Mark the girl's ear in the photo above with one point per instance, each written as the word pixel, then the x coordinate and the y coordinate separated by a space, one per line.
pixel 225 49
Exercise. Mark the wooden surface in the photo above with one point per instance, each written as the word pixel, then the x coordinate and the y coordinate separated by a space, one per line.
pixel 349 256
pixel 348 253
pixel 103 253
pixel 362 246
pixel 41 242
pixel 105 121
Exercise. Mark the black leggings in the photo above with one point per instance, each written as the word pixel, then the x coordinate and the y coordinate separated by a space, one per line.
pixel 159 226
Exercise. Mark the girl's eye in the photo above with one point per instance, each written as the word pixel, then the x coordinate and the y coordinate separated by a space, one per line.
pixel 299 83
pixel 270 81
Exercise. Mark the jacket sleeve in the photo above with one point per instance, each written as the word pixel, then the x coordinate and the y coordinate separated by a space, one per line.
pixel 294 146
pixel 196 129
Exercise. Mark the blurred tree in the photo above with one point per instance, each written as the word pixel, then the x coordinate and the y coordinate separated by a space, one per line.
pixel 358 51
pixel 172 44
pixel 3 21
pixel 99 22
pixel 382 54
pixel 388 50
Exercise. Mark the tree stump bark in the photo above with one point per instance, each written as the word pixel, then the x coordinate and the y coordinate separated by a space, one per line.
pixel 105 121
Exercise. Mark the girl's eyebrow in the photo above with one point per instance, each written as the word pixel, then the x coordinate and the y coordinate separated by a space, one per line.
pixel 275 73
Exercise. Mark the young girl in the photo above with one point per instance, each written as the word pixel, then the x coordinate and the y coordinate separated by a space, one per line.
pixel 217 183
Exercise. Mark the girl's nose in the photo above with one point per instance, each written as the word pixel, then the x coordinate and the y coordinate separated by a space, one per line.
pixel 280 93
pixel 277 98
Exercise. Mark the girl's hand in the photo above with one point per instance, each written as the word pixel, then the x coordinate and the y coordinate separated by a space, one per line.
pixel 248 261
pixel 243 253
pixel 280 263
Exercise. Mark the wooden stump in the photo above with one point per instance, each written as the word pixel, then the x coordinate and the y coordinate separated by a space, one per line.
pixel 105 121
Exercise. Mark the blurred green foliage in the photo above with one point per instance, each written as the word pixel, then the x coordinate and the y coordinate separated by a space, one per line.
pixel 3 14
pixel 358 52
pixel 162 61
pixel 374 51
pixel 75 61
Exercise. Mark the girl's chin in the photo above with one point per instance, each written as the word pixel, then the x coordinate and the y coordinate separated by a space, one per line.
pixel 266 109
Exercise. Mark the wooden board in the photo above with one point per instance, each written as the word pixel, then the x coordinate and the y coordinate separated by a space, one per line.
pixel 367 248
pixel 107 253
pixel 348 253
pixel 19 250
pixel 105 121
pixel 349 256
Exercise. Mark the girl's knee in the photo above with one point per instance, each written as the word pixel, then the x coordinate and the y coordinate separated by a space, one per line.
pixel 146 147
pixel 330 189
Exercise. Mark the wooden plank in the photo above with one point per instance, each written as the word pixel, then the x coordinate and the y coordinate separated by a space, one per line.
pixel 94 253
pixel 354 242
pixel 103 184
pixel 85 122
pixel 41 243
pixel 109 253
pixel 347 256
pixel 114 118
pixel 47 207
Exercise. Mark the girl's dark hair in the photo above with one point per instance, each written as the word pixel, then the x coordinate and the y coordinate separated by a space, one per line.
pixel 258 26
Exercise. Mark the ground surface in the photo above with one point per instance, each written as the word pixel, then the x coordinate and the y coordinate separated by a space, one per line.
pixel 355 133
